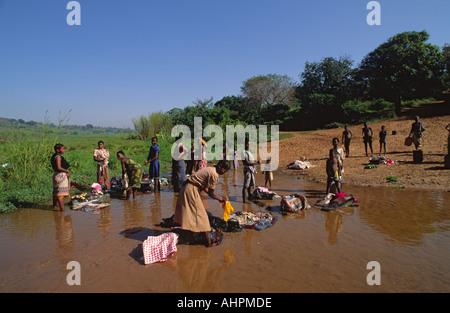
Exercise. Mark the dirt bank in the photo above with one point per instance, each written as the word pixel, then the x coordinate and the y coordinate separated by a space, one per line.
pixel 430 174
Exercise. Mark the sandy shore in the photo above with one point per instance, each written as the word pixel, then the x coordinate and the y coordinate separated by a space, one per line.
pixel 430 174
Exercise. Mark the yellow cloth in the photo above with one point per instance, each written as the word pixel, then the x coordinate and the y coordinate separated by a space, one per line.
pixel 227 209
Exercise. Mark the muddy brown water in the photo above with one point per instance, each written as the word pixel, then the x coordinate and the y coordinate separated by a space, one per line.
pixel 406 232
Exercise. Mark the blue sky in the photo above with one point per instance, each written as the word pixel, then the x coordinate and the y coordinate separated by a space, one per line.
pixel 134 57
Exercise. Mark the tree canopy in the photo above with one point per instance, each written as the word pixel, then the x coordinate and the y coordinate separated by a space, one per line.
pixel 404 67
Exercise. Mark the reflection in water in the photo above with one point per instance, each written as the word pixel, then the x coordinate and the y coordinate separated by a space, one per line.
pixel 404 216
pixel 333 225
pixel 64 230
pixel 195 273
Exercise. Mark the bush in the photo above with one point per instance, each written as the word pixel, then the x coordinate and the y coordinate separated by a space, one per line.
pixel 380 105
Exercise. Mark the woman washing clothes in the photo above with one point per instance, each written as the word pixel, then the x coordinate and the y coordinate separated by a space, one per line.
pixel 190 212
pixel 134 172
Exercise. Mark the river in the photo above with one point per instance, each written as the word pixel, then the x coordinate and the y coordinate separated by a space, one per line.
pixel 405 232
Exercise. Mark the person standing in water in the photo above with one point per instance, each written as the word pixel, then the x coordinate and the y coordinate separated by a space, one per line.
pixel 153 159
pixel 60 178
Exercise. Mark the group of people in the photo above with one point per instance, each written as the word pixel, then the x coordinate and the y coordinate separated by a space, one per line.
pixel 335 162
pixel 415 134
pixel 367 134
pixel 190 182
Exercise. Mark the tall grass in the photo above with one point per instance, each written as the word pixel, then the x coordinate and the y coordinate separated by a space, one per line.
pixel 155 124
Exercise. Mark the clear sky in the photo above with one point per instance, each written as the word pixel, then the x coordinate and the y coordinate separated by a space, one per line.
pixel 134 57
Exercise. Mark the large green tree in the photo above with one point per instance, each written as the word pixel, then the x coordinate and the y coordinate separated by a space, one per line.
pixel 404 67
pixel 330 76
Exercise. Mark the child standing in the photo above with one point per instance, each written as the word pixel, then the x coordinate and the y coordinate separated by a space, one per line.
pixel 268 176
pixel 235 158
pixel 333 169
pixel 346 138
pixel 383 137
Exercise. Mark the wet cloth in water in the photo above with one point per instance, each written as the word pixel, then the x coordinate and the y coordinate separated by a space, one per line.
pixel 159 248
pixel 294 203
pixel 217 223
pixel 227 209
pixel 258 220
pixel 262 193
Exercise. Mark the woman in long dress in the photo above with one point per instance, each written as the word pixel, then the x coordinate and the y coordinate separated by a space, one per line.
pixel 190 213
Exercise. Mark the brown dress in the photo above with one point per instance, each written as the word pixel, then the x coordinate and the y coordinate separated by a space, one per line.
pixel 190 213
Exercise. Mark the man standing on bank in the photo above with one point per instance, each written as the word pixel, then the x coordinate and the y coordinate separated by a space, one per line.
pixel 416 132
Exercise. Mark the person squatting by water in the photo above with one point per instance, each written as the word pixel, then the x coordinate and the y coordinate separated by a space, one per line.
pixel 153 159
pixel 190 212
pixel 101 156
pixel 60 178
pixel 133 173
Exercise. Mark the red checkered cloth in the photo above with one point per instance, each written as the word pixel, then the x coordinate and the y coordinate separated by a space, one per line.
pixel 159 248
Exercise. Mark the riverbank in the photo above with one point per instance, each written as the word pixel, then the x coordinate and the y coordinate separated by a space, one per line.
pixel 430 174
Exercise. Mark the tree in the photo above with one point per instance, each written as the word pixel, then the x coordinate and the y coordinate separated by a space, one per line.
pixel 329 77
pixel 404 67
pixel 203 104
pixel 236 104
pixel 446 52
pixel 269 89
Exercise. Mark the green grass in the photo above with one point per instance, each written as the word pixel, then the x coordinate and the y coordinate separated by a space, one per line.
pixel 27 179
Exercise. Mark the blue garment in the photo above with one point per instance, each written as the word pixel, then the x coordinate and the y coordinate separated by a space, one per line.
pixel 154 165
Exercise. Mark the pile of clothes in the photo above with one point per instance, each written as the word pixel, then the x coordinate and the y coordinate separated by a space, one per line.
pixel 381 159
pixel 149 184
pixel 92 201
pixel 300 165
pixel 258 220
pixel 294 203
pixel 333 201
pixel 262 193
